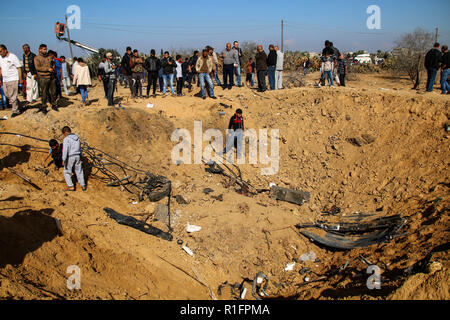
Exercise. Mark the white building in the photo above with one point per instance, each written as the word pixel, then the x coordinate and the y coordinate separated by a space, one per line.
pixel 363 58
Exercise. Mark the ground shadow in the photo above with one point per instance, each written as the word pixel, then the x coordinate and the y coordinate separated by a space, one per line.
pixel 12 198
pixel 16 157
pixel 23 233
pixel 64 102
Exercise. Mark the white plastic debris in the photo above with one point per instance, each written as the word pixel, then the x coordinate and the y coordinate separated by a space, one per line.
pixel 5 118
pixel 272 185
pixel 192 228
pixel 290 266
pixel 243 293
pixel 259 280
pixel 188 251
pixel 310 256
pixel 150 105
pixel 134 202
pixel 18 135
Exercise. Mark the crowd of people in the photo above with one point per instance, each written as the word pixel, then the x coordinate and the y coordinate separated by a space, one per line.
pixel 203 66
pixel 47 76
pixel 436 60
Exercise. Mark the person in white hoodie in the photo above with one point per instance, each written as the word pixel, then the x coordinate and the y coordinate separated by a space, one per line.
pixel 72 159
pixel 279 69
pixel 82 79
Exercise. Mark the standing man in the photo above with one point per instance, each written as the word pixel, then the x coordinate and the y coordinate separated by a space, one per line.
pixel 72 159
pixel 230 60
pixel 11 72
pixel 74 65
pixel 30 74
pixel 101 75
pixel 57 67
pixel 127 69
pixel 445 70
pixel 238 81
pixel 432 62
pixel 191 69
pixel 136 65
pixel 65 75
pixel 214 74
pixel 342 70
pixel 45 67
pixel 110 76
pixel 279 69
pixel 168 65
pixel 261 68
pixel 271 65
pixel 152 65
pixel 205 66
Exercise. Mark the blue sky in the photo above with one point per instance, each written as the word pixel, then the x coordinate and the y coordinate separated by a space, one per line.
pixel 145 24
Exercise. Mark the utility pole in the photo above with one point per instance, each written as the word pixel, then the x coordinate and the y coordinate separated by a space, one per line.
pixel 68 37
pixel 436 35
pixel 282 35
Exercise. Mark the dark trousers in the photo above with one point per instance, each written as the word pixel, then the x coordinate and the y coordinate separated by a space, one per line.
pixel 342 79
pixel 137 85
pixel 48 91
pixel 190 79
pixel 262 80
pixel 432 73
pixel 105 81
pixel 228 74
pixel 180 85
pixel 110 93
pixel 130 83
pixel 152 79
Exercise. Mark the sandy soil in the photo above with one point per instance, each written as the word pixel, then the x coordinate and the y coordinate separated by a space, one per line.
pixel 402 172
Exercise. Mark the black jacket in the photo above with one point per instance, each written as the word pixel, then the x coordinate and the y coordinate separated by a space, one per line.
pixel 148 64
pixel 126 65
pixel 168 68
pixel 272 58
pixel 433 59
pixel 236 123
pixel 30 63
pixel 446 60
pixel 192 63
pixel 261 61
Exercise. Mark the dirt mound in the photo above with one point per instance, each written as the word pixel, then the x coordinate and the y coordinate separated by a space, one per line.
pixel 359 148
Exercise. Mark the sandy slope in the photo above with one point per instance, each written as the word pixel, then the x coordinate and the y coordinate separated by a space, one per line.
pixel 404 169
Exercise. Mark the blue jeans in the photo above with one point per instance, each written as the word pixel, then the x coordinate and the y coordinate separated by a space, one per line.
pixel 4 101
pixel 272 77
pixel 444 83
pixel 168 79
pixel 238 80
pixel 202 77
pixel 83 91
pixel 431 78
pixel 253 79
pixel 217 79
pixel 330 77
